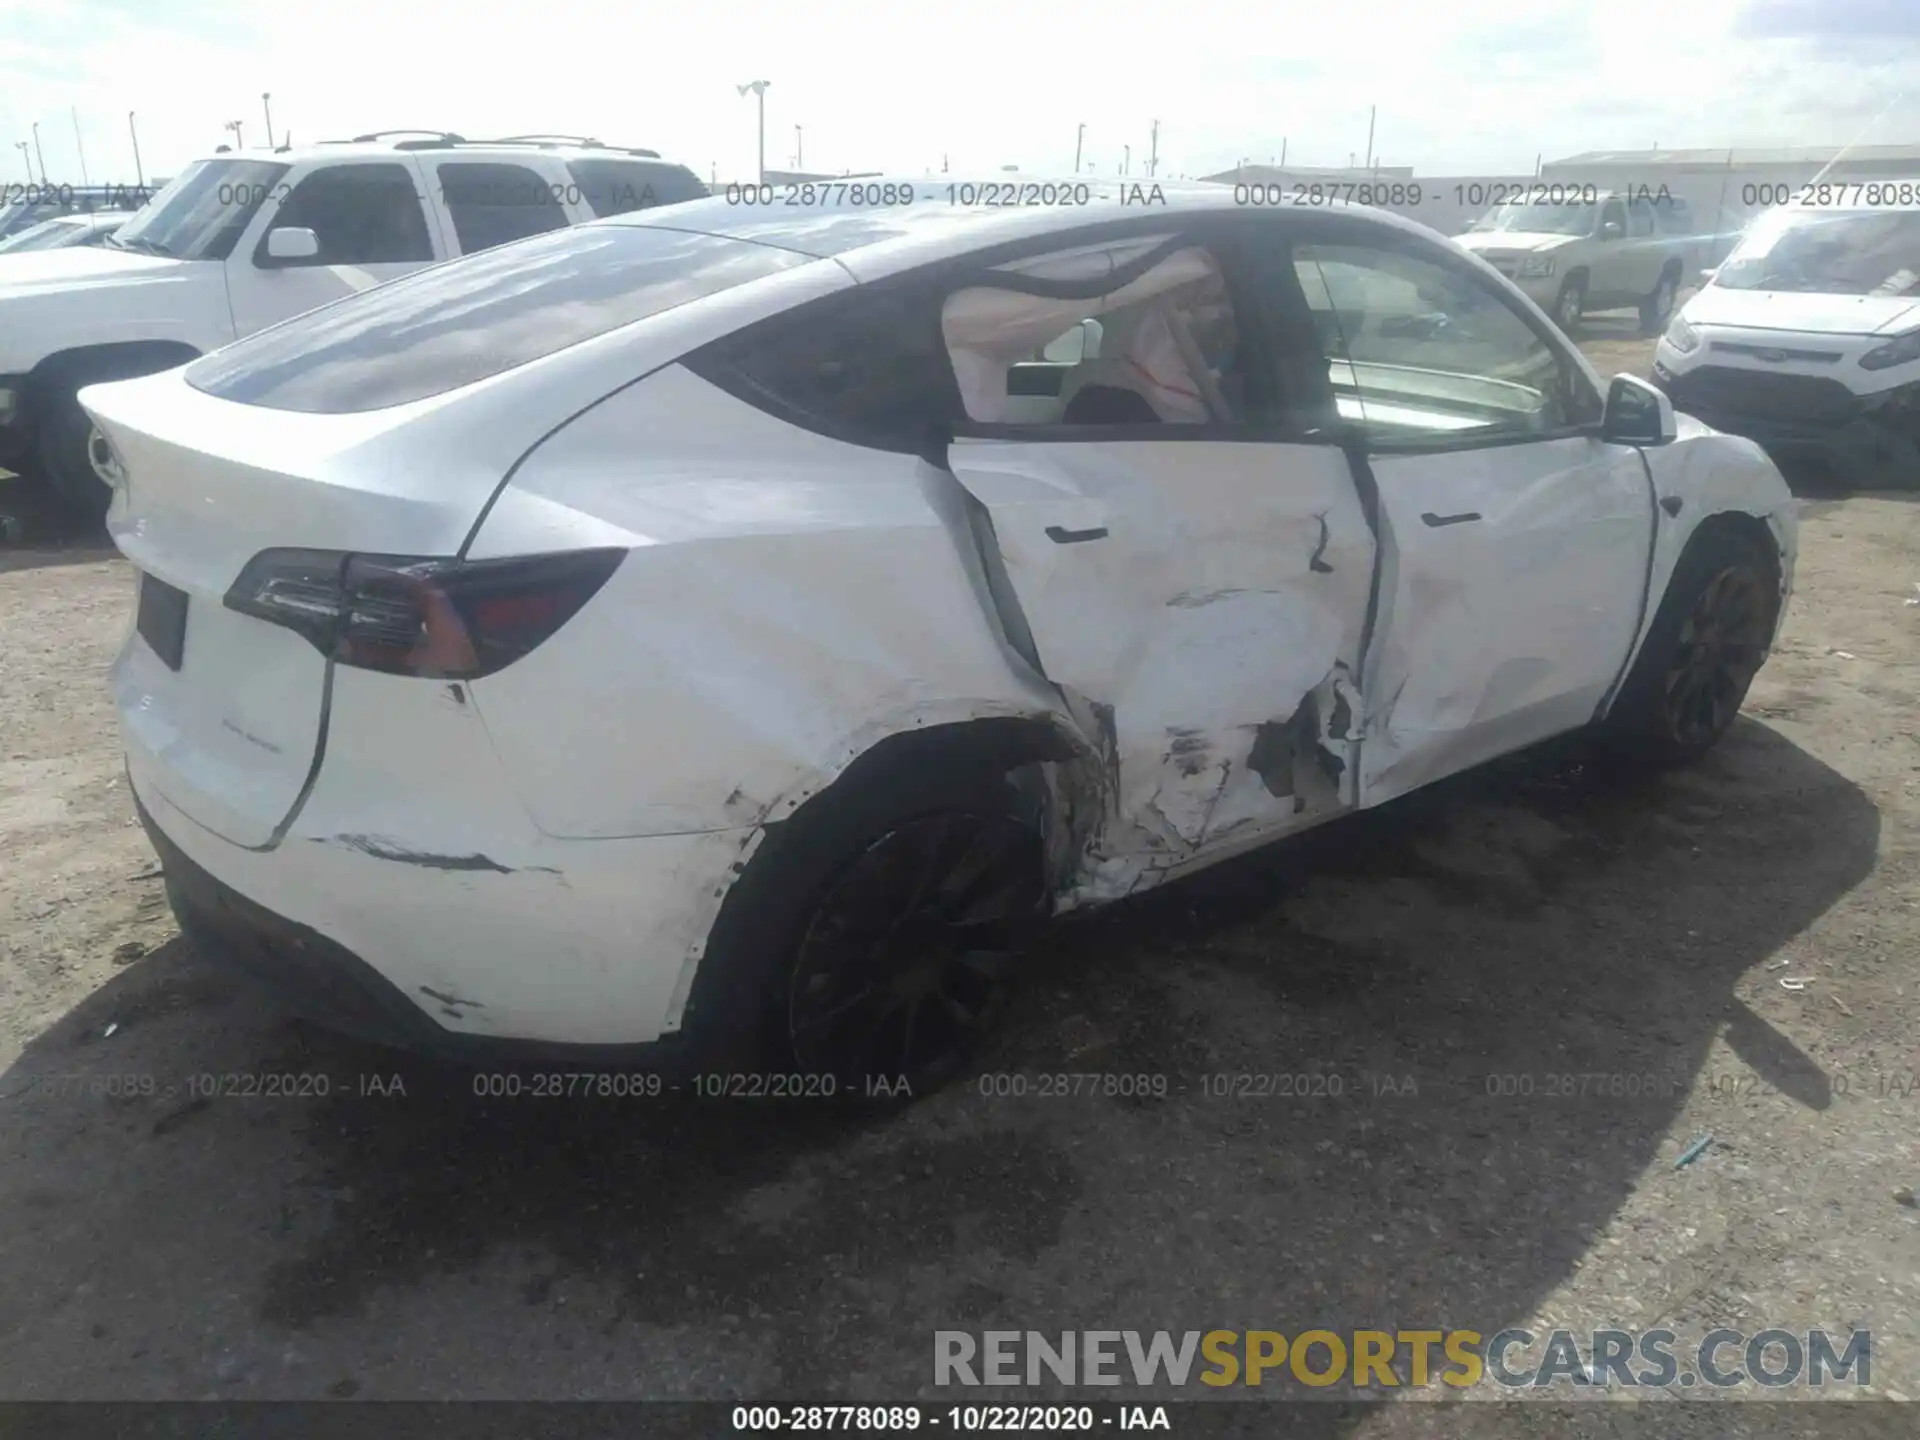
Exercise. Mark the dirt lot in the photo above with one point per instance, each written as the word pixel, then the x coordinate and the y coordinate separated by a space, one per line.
pixel 1445 959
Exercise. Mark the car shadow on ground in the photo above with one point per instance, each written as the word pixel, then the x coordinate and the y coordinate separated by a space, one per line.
pixel 89 551
pixel 35 533
pixel 1500 992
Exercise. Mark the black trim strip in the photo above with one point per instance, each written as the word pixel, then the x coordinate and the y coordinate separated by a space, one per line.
pixel 1060 535
pixel 1092 289
pixel 1231 433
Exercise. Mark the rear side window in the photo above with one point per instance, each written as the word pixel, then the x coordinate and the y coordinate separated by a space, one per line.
pixel 495 204
pixel 1676 216
pixel 361 215
pixel 873 363
pixel 613 187
pixel 461 322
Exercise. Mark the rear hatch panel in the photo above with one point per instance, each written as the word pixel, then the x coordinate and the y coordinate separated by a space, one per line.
pixel 238 724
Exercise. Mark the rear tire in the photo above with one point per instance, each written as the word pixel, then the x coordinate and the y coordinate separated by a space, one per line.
pixel 68 437
pixel 65 457
pixel 1657 309
pixel 1569 304
pixel 1708 640
pixel 873 935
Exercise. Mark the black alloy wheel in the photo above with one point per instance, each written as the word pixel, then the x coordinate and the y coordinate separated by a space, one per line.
pixel 905 960
pixel 1720 648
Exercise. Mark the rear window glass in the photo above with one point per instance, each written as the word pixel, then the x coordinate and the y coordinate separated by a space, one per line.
pixel 497 204
pixel 613 187
pixel 457 323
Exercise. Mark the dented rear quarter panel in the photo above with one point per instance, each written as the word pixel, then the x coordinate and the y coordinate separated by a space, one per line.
pixel 488 925
pixel 789 600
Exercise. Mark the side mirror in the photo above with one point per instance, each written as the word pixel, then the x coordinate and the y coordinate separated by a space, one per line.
pixel 1611 230
pixel 289 243
pixel 1637 414
pixel 1706 276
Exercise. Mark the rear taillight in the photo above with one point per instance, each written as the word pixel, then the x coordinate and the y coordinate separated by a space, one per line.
pixel 438 618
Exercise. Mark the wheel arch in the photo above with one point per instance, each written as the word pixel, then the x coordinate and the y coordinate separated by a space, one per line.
pixel 60 366
pixel 1745 524
pixel 934 765
pixel 1055 769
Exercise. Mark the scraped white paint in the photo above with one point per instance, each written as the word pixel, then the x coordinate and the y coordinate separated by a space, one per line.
pixel 1196 617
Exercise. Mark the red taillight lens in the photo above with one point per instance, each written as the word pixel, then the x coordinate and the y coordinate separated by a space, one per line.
pixel 438 618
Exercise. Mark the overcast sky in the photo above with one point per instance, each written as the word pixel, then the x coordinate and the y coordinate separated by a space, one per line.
pixel 897 86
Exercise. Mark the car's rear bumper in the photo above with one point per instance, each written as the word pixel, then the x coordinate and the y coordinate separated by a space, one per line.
pixel 1871 438
pixel 581 951
pixel 316 978
pixel 310 975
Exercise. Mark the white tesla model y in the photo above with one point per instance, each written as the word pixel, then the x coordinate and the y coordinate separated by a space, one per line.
pixel 722 633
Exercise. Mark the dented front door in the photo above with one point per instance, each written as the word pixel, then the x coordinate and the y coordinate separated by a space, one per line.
pixel 1201 603
pixel 1510 596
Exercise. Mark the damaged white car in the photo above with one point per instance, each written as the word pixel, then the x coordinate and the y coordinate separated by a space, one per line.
pixel 720 635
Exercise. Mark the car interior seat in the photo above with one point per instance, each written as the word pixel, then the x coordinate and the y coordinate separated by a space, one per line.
pixel 1110 389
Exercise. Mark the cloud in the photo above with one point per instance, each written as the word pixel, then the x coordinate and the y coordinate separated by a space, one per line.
pixel 1477 86
pixel 1828 21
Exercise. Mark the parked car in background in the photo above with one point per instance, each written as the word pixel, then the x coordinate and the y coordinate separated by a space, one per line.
pixel 1807 338
pixel 1592 250
pixel 725 633
pixel 66 231
pixel 247 239
pixel 24 206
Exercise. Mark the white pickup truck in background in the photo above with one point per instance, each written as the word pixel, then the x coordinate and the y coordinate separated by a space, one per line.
pixel 244 240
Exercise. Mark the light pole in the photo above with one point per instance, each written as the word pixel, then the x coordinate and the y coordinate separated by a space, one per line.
pixel 26 155
pixel 759 89
pixel 234 126
pixel 38 153
pixel 78 147
pixel 1153 156
pixel 1079 141
pixel 266 104
pixel 1126 164
pixel 799 159
pixel 139 175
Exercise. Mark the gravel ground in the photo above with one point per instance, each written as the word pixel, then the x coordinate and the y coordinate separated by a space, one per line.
pixel 1444 959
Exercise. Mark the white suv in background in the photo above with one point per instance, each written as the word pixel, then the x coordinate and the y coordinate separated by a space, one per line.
pixel 241 241
pixel 1807 338
pixel 1592 250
